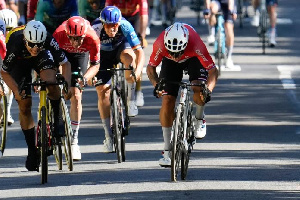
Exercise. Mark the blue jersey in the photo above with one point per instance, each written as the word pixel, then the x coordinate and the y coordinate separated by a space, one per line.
pixel 53 17
pixel 125 32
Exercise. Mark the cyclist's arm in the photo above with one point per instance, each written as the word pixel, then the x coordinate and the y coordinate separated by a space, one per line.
pixel 66 72
pixel 152 75
pixel 207 4
pixel 212 78
pixel 91 72
pixel 140 60
pixel 11 83
pixel 143 4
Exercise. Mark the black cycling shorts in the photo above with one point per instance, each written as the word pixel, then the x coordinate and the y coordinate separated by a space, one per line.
pixel 173 71
pixel 23 67
pixel 223 6
pixel 79 63
pixel 107 60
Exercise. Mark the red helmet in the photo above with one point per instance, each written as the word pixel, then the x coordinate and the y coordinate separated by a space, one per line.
pixel 76 26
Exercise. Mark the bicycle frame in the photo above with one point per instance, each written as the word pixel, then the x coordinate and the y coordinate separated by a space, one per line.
pixel 263 24
pixel 220 42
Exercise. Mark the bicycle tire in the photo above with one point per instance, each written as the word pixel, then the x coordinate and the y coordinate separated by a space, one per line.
pixel 44 146
pixel 3 131
pixel 116 124
pixel 240 12
pixel 264 25
pixel 219 50
pixel 67 139
pixel 176 143
pixel 56 142
pixel 189 140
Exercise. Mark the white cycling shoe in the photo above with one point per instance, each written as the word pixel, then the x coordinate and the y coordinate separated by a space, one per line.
pixel 165 161
pixel 140 98
pixel 76 154
pixel 200 126
pixel 108 145
pixel 132 109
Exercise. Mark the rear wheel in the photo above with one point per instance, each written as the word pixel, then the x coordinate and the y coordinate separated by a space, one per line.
pixel 3 117
pixel 44 146
pixel 67 139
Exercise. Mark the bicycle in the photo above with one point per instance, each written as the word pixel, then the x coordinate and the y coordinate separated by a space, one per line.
pixel 45 141
pixel 263 25
pixel 3 116
pixel 239 8
pixel 220 42
pixel 119 119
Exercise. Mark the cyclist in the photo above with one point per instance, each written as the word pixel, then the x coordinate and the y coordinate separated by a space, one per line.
pixel 53 12
pixel 11 21
pixel 90 9
pixel 30 47
pixel 227 7
pixel 119 42
pixel 80 43
pixel 136 12
pixel 179 47
pixel 272 10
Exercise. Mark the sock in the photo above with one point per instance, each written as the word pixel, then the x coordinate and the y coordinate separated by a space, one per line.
pixel 75 128
pixel 167 138
pixel 229 52
pixel 131 91
pixel 30 138
pixel 212 30
pixel 199 112
pixel 9 102
pixel 106 126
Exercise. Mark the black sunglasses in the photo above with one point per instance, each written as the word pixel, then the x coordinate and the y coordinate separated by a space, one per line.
pixel 75 38
pixel 32 45
pixel 175 54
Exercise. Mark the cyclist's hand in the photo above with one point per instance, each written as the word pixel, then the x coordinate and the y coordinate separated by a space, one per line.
pixel 36 89
pixel 68 95
pixel 144 42
pixel 158 90
pixel 82 82
pixel 205 95
pixel 19 96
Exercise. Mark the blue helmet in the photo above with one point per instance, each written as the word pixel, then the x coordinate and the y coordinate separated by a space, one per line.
pixel 110 15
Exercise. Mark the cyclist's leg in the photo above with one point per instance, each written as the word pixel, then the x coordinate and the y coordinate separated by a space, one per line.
pixel 197 74
pixel 214 8
pixel 103 92
pixel 229 32
pixel 170 71
pixel 272 10
pixel 18 72
pixel 128 57
pixel 255 19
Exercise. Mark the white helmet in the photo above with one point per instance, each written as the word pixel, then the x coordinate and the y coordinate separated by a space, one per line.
pixel 2 26
pixel 176 37
pixel 9 17
pixel 35 32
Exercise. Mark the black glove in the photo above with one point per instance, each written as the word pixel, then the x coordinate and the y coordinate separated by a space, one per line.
pixel 158 87
pixel 206 94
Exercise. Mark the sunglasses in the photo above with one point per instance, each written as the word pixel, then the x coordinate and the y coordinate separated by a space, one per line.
pixel 111 25
pixel 175 54
pixel 32 45
pixel 75 38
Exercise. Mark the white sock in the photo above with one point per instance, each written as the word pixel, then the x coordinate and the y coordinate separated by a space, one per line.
pixel 131 91
pixel 167 137
pixel 75 128
pixel 107 129
pixel 212 30
pixel 199 112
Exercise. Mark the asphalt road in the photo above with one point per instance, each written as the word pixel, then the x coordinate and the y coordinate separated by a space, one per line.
pixel 251 150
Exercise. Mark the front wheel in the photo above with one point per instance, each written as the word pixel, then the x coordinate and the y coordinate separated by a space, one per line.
pixel 176 143
pixel 44 146
pixel 3 118
pixel 67 138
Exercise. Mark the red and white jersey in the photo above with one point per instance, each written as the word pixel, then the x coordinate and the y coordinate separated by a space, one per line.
pixel 195 48
pixel 2 45
pixel 91 42
pixel 130 7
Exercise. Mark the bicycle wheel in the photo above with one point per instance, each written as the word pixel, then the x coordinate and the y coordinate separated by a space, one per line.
pixel 263 28
pixel 176 143
pixel 3 117
pixel 117 124
pixel 219 50
pixel 67 139
pixel 56 141
pixel 240 6
pixel 185 156
pixel 44 146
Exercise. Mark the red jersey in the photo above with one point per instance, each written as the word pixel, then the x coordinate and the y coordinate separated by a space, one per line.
pixel 2 46
pixel 195 48
pixel 91 42
pixel 31 8
pixel 130 7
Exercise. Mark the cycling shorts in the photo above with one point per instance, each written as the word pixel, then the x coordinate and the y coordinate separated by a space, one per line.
pixel 79 63
pixel 23 67
pixel 173 71
pixel 107 60
pixel 224 8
